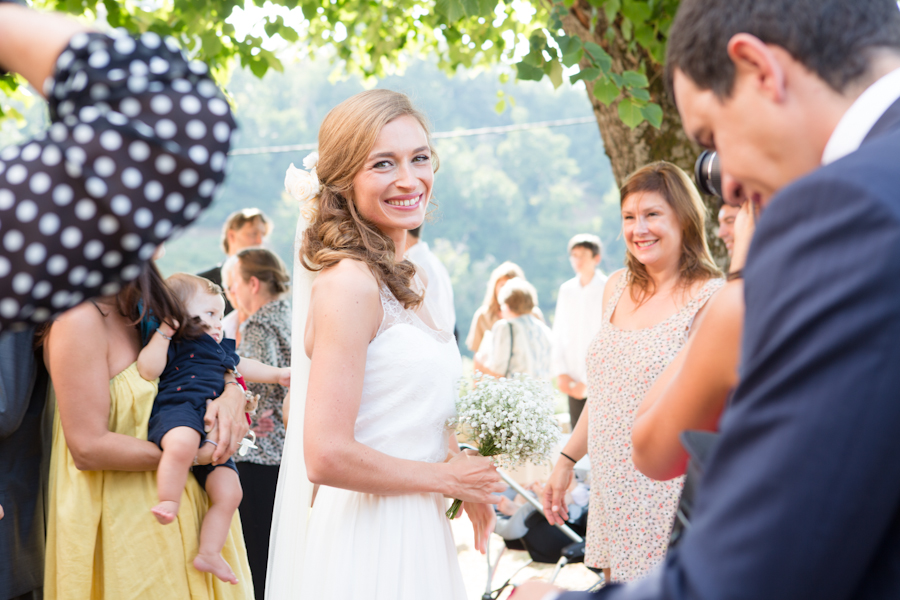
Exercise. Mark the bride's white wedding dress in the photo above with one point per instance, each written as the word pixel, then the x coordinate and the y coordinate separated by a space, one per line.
pixel 366 546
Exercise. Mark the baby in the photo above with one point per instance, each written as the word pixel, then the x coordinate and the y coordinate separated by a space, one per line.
pixel 191 370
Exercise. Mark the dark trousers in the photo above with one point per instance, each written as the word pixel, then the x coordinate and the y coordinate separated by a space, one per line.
pixel 256 508
pixel 575 408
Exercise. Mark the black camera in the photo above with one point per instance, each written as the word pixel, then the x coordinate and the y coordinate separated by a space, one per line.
pixel 708 173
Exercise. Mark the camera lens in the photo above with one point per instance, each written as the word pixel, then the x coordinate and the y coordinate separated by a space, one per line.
pixel 708 173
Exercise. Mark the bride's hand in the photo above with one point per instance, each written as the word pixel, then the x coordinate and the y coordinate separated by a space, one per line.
pixel 483 519
pixel 473 478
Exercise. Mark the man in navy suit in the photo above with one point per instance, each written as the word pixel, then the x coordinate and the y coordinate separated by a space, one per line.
pixel 801 497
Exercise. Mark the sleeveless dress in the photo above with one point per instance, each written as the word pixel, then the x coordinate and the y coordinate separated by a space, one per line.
pixel 362 545
pixel 631 515
pixel 102 541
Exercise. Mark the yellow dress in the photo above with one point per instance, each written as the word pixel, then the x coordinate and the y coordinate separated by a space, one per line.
pixel 102 541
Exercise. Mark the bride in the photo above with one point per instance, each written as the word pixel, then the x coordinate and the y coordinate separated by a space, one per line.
pixel 383 379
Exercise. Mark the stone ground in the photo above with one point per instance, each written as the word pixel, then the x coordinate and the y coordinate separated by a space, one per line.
pixel 474 565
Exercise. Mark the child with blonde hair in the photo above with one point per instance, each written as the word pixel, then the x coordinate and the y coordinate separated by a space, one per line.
pixel 191 363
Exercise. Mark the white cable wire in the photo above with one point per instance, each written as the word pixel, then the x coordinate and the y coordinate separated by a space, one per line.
pixel 439 135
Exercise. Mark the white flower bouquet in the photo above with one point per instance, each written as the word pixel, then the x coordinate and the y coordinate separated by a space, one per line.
pixel 510 419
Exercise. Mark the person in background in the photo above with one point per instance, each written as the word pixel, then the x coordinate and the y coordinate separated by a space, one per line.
pixel 244 228
pixel 73 232
pixel 520 342
pixel 438 278
pixel 231 324
pixel 802 483
pixel 727 215
pixel 259 283
pixel 648 310
pixel 102 541
pixel 489 311
pixel 579 314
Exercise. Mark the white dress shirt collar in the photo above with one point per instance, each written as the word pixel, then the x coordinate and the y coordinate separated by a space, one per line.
pixel 862 115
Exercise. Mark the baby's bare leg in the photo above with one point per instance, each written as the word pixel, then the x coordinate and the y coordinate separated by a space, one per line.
pixel 224 489
pixel 179 449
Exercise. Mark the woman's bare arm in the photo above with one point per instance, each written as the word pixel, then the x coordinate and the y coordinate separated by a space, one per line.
pixel 346 312
pixel 76 354
pixel 691 392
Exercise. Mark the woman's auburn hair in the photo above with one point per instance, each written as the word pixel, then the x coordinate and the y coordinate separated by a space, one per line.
pixel 339 231
pixel 673 184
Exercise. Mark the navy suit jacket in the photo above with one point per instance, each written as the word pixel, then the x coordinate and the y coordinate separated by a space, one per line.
pixel 801 497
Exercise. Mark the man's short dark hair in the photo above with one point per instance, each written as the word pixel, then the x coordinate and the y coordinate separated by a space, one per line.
pixel 588 241
pixel 831 38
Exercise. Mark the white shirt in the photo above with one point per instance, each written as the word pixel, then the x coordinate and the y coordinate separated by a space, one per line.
pixel 520 345
pixel 579 314
pixel 861 117
pixel 439 287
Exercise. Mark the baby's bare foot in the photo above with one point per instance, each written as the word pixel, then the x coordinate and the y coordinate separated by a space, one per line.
pixel 215 564
pixel 165 512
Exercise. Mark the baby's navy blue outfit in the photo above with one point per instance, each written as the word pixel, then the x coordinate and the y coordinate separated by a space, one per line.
pixel 194 372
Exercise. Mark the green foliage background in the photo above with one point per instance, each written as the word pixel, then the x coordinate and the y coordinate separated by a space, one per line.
pixel 518 196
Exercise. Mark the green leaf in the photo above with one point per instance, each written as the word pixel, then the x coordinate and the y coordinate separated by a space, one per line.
pixel 589 74
pixel 453 10
pixel 289 34
pixel 640 94
pixel 606 91
pixel 637 11
pixel 554 71
pixel 630 113
pixel 500 106
pixel 611 7
pixel 633 79
pixel 567 43
pixel 653 113
pixel 570 60
pixel 504 77
pixel 309 10
pixel 618 79
pixel 599 57
pixel 527 72
pixel 626 29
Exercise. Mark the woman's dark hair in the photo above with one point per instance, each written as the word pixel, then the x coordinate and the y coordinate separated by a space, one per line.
pixel 832 38
pixel 146 295
pixel 149 295
pixel 266 267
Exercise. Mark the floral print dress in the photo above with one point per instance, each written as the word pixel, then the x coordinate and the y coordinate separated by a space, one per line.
pixel 630 514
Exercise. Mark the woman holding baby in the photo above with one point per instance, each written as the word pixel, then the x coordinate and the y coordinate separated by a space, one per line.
pixel 102 539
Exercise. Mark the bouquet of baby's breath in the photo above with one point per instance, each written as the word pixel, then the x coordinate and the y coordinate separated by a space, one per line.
pixel 510 418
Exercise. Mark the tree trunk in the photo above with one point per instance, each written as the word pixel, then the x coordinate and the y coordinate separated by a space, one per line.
pixel 629 149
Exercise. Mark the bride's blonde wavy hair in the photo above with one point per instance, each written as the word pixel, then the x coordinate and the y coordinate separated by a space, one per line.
pixel 339 231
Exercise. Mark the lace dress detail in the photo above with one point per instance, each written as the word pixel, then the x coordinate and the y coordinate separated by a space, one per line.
pixel 393 547
pixel 631 515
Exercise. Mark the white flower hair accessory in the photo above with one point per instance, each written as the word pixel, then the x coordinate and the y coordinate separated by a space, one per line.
pixel 303 186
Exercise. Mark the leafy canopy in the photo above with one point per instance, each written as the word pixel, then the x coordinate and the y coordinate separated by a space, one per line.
pixel 370 37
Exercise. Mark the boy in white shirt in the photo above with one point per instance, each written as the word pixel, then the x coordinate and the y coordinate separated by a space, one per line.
pixel 579 314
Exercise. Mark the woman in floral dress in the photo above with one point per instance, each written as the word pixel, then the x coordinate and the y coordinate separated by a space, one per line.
pixel 648 309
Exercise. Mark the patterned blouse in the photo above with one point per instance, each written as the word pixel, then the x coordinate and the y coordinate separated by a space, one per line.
pixel 135 151
pixel 266 337
pixel 630 515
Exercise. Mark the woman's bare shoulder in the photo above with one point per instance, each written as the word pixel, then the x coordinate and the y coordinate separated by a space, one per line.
pixel 611 282
pixel 348 283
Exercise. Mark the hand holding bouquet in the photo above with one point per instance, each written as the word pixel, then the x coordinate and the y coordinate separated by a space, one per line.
pixel 510 418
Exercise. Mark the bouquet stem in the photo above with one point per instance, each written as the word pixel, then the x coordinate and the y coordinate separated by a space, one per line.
pixel 488 448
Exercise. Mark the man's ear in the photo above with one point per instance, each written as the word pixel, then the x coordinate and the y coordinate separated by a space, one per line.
pixel 597 259
pixel 757 65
